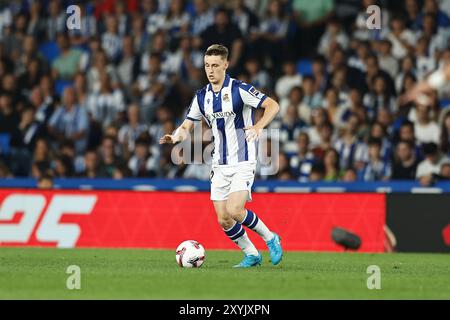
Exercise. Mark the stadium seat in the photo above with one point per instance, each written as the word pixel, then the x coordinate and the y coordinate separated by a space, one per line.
pixel 4 143
pixel 304 67
pixel 49 50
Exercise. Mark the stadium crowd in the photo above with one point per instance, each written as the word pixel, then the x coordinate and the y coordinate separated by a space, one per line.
pixel 93 102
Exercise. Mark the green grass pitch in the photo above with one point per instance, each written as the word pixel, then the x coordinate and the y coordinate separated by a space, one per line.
pixel 38 273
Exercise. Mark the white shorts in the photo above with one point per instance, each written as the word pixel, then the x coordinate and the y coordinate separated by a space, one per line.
pixel 226 179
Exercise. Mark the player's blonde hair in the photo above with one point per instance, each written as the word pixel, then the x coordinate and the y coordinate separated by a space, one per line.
pixel 217 50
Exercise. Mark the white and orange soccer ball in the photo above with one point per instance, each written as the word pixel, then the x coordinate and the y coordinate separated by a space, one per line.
pixel 190 254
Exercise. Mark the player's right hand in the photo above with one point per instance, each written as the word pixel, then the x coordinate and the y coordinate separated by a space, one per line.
pixel 168 138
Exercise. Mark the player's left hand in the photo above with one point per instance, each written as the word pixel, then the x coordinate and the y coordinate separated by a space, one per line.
pixel 252 133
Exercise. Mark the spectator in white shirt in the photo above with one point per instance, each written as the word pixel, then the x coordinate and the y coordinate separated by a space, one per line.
pixel 334 34
pixel 425 129
pixel 431 166
pixel 111 41
pixel 288 80
pixel 425 63
pixel 130 131
pixel 402 39
pixel 387 62
pixel 107 105
pixel 101 65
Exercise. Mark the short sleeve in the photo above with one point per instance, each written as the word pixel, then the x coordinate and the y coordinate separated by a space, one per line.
pixel 250 96
pixel 193 112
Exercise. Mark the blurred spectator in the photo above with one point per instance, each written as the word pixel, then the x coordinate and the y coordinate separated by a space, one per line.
pixel 432 7
pixel 63 167
pixel 177 19
pixel 295 100
pixel 445 132
pixel 288 80
pixel 402 39
pixel 111 42
pixel 431 166
pixel 203 17
pixel 319 116
pixel 326 140
pixel 425 129
pixel 311 17
pixel 376 168
pixel 81 89
pixel 67 63
pixel 334 107
pixel 425 62
pixel 130 131
pixel 91 164
pixel 350 175
pixel 334 35
pixel 9 117
pixel 140 38
pixel 445 171
pixel 379 97
pixel 387 62
pixel 379 131
pixel 332 167
pixel 302 162
pixel 155 17
pixel 45 182
pixel 128 68
pixel 268 40
pixel 405 163
pixel 36 24
pixel 284 171
pixel 243 17
pixel 143 163
pixel 106 105
pixel 259 78
pixel 228 33
pixel 70 121
pixel 56 21
pixel 134 66
pixel 317 172
pixel 311 96
pixel 101 66
pixel 349 148
pixel 109 158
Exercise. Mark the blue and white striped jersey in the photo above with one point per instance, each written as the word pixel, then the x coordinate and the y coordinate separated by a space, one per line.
pixel 227 112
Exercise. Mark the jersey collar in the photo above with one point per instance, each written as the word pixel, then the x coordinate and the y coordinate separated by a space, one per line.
pixel 226 82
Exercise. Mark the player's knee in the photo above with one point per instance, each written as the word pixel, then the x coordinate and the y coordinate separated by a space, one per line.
pixel 235 211
pixel 226 222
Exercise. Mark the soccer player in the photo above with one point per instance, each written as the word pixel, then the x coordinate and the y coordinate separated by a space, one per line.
pixel 227 105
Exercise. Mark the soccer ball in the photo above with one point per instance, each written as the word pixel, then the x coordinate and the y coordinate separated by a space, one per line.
pixel 190 254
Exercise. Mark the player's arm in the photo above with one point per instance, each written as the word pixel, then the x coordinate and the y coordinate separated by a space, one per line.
pixel 271 108
pixel 180 134
pixel 183 131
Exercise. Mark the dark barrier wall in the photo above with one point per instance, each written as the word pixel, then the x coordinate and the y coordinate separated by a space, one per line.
pixel 420 222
